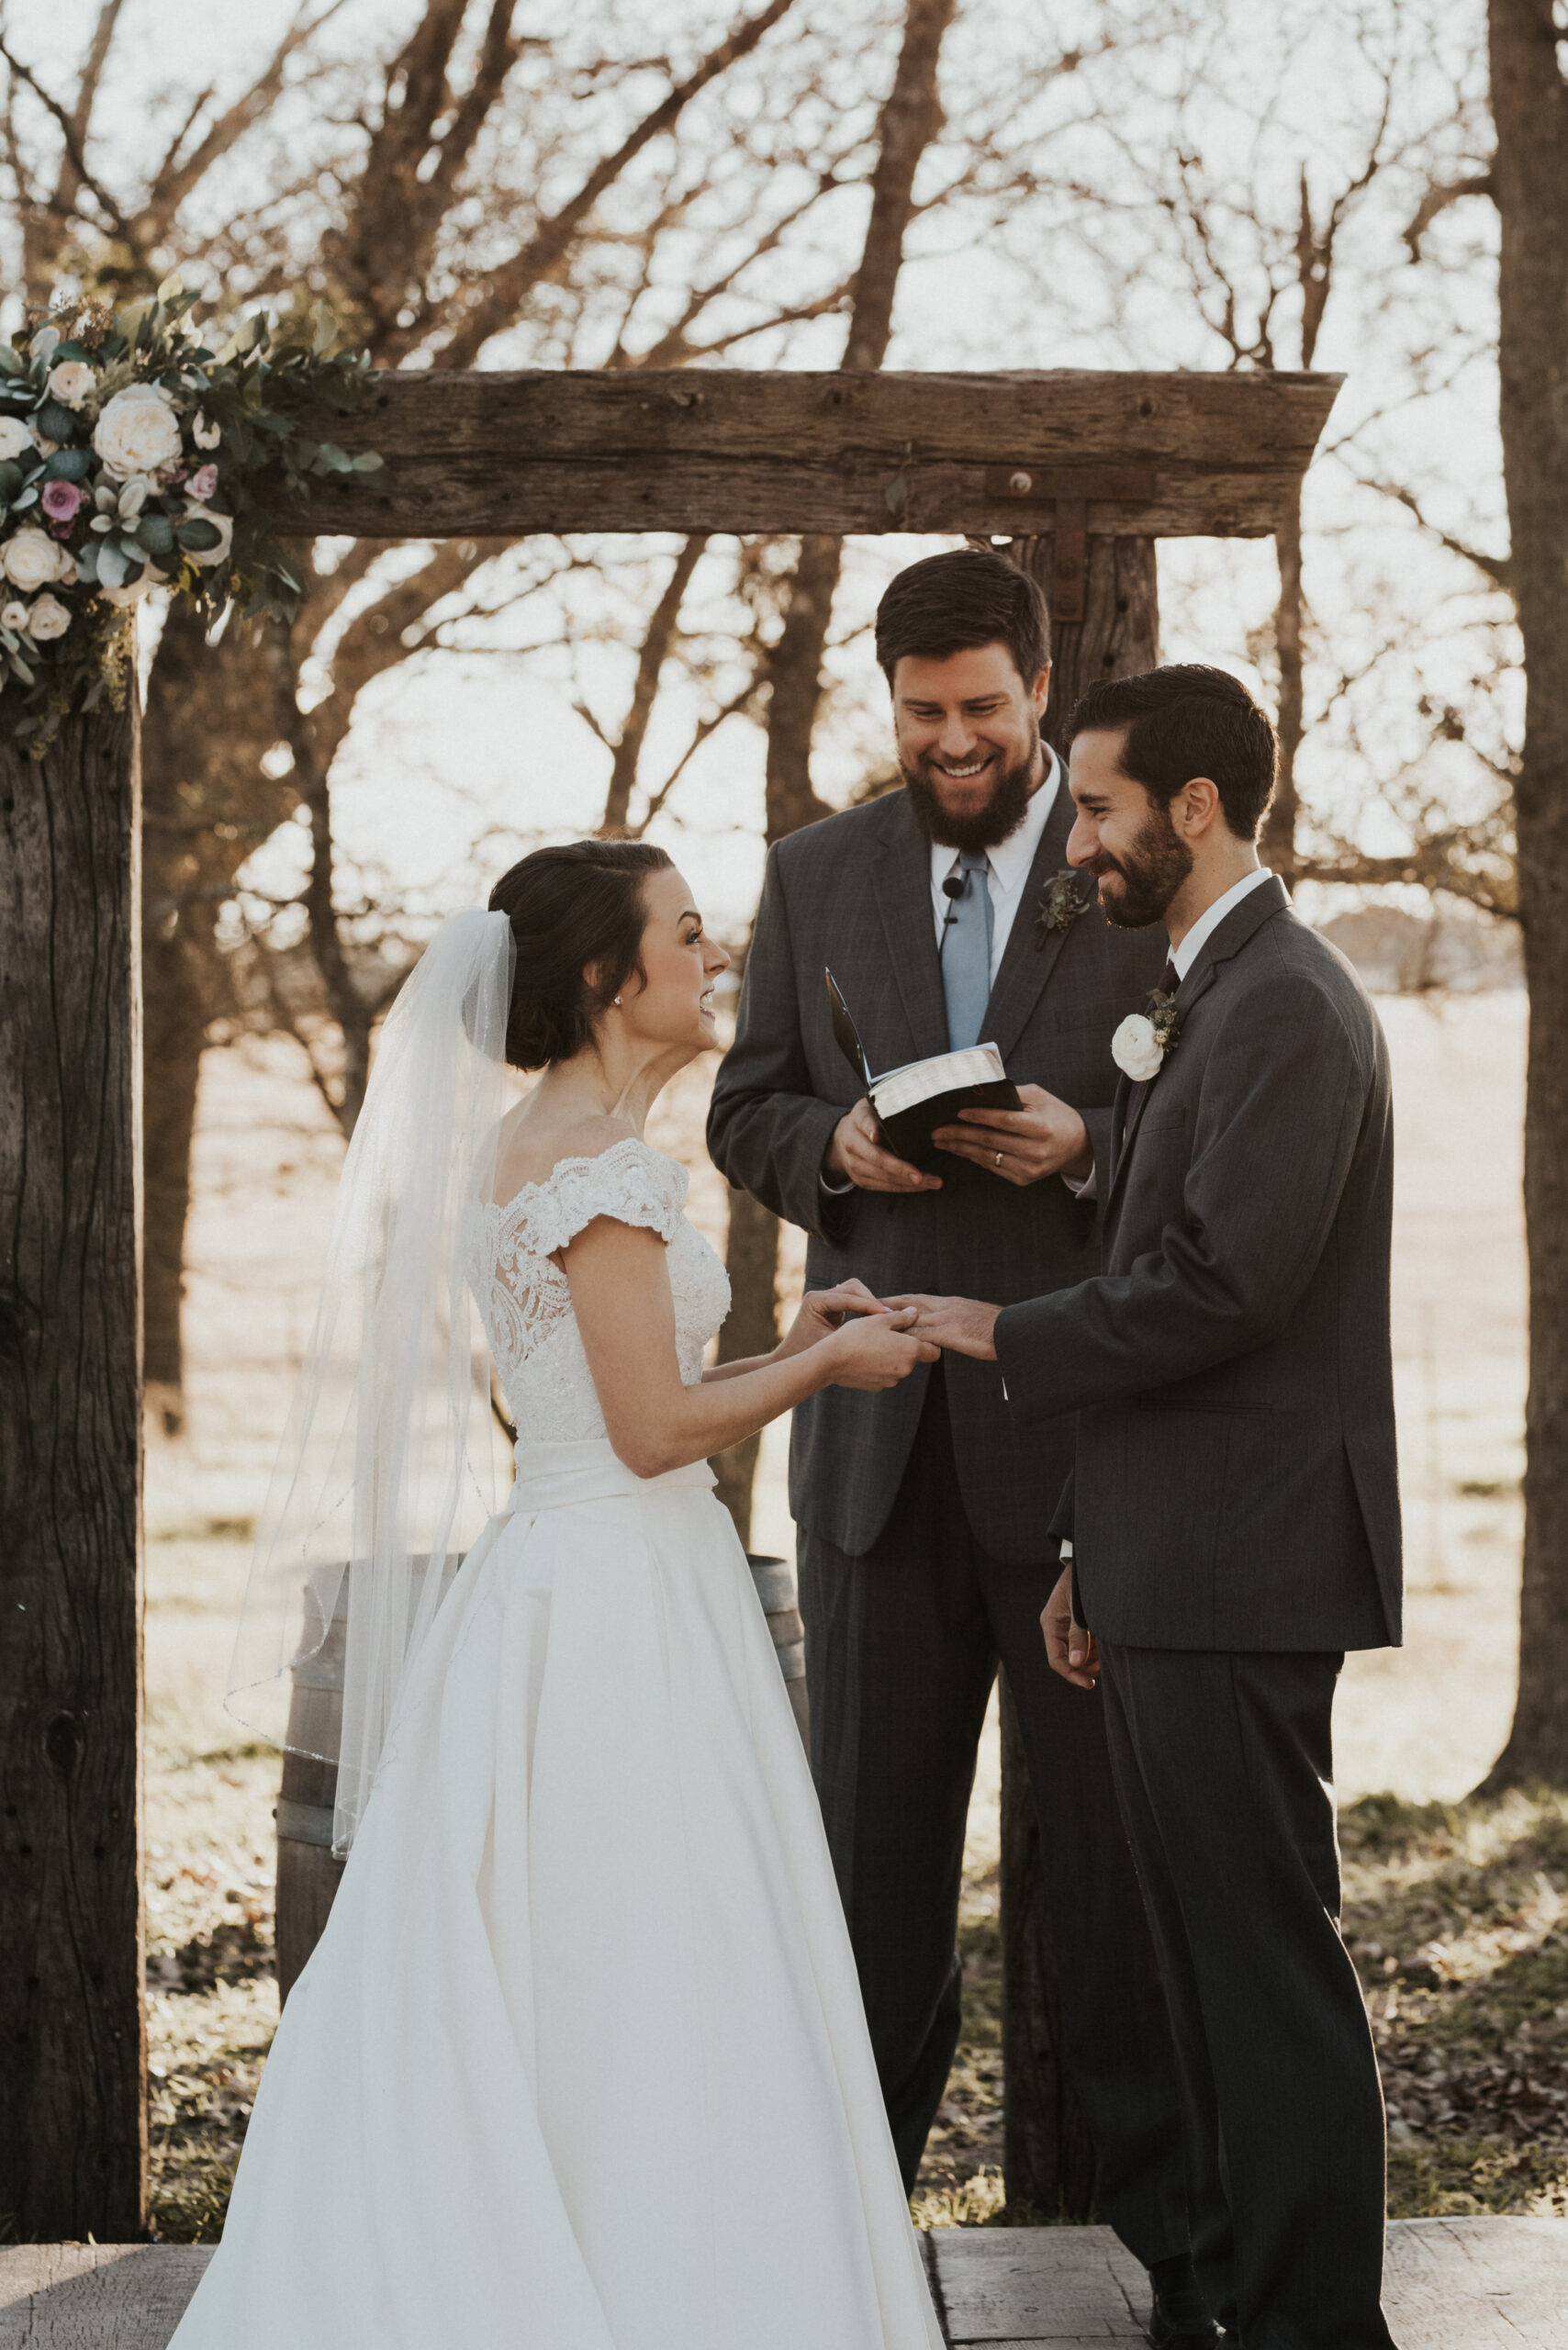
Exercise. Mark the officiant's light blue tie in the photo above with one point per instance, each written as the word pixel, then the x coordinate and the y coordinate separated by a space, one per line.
pixel 966 953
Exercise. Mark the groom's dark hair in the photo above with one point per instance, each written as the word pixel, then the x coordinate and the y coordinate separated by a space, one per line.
pixel 1184 721
pixel 950 603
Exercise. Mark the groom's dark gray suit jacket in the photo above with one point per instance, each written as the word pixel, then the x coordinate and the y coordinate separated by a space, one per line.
pixel 1235 1484
pixel 854 892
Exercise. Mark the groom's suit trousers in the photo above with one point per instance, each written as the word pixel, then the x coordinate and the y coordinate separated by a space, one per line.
pixel 1224 1765
pixel 903 1643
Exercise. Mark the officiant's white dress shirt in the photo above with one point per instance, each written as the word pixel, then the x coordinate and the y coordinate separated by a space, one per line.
pixel 1010 862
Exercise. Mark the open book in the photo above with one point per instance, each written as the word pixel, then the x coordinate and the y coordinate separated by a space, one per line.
pixel 911 1103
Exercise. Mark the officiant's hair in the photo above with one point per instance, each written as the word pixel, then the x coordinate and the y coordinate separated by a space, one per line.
pixel 571 907
pixel 1185 720
pixel 950 603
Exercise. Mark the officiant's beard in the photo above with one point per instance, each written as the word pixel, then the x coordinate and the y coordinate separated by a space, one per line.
pixel 986 827
pixel 1152 872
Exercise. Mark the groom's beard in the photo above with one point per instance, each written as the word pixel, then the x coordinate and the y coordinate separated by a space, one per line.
pixel 1152 872
pixel 1002 815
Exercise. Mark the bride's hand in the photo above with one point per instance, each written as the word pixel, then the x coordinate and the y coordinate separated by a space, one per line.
pixel 823 1310
pixel 875 1351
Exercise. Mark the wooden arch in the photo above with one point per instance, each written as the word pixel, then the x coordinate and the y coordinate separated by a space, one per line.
pixel 1080 472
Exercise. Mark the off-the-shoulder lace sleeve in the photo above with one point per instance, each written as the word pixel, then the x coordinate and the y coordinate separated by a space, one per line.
pixel 628 1181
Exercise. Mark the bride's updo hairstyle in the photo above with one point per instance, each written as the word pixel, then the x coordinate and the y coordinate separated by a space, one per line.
pixel 571 909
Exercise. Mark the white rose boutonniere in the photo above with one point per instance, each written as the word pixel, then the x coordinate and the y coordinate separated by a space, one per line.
pixel 1142 1039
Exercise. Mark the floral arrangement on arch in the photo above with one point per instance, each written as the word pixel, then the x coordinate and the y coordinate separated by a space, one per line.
pixel 128 455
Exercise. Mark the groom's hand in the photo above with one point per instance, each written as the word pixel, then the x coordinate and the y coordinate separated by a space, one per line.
pixel 1070 1648
pixel 1045 1137
pixel 854 1155
pixel 961 1324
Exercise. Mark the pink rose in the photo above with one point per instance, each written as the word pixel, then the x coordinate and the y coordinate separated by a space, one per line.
pixel 60 501
pixel 202 485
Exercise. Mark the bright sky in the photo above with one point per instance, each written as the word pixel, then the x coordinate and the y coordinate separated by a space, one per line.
pixel 460 745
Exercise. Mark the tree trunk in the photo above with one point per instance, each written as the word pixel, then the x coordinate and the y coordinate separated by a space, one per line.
pixel 73 2054
pixel 1278 844
pixel 910 120
pixel 174 1032
pixel 1119 633
pixel 1047 2154
pixel 751 1258
pixel 207 805
pixel 1047 2161
pixel 1529 178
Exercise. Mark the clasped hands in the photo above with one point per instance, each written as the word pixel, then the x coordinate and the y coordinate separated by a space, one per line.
pixel 1045 1137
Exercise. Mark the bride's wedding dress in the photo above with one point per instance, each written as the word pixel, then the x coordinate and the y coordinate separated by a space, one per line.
pixel 579 2063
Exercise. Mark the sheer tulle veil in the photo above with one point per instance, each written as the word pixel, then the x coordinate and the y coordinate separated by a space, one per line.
pixel 387 1468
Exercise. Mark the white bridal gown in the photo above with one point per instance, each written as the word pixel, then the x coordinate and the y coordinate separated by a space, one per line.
pixel 579 2063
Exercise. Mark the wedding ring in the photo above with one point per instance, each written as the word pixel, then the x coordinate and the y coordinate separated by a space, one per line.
pixel 999 1159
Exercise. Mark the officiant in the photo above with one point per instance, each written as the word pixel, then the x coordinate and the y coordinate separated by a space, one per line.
pixel 949 917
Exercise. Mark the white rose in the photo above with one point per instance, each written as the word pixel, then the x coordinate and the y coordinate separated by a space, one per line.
pixel 12 615
pixel 205 434
pixel 14 438
pixel 138 432
pixel 204 557
pixel 71 382
pixel 49 618
pixel 1134 1048
pixel 31 559
pixel 134 590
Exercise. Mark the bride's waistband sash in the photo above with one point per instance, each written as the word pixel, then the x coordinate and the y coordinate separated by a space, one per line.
pixel 559 1476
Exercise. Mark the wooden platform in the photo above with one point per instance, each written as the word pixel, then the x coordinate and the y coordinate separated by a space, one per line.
pixel 1452 2285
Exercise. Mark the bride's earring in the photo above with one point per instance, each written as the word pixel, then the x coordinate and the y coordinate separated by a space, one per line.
pixel 617 999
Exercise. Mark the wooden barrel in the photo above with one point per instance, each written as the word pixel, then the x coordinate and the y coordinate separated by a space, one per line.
pixel 307 1874
pixel 776 1589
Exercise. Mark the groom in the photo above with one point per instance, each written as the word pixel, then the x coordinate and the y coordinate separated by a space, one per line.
pixel 1233 1517
pixel 946 914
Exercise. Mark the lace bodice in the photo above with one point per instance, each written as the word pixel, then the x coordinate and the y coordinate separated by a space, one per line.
pixel 526 1303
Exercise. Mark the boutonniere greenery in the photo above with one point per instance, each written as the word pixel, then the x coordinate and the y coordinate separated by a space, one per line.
pixel 1062 900
pixel 1142 1043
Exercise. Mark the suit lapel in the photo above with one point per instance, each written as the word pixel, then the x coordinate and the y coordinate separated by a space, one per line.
pixel 901 880
pixel 1026 964
pixel 1270 898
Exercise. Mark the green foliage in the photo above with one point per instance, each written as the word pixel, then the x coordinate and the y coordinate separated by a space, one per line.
pixel 134 455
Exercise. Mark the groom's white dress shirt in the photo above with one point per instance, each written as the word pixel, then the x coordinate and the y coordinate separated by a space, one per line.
pixel 1010 862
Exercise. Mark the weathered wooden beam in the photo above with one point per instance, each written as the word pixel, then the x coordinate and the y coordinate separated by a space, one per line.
pixel 732 450
pixel 72 2124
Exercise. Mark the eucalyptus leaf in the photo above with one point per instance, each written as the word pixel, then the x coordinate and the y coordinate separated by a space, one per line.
pixel 368 462
pixel 69 464
pixel 46 342
pixel 11 362
pixel 102 522
pixel 30 497
pixel 132 498
pixel 57 422
pixel 88 563
pixel 156 532
pixel 113 567
pixel 21 669
pixel 10 477
pixel 198 536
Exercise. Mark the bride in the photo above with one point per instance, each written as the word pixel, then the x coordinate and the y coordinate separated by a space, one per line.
pixel 580 2062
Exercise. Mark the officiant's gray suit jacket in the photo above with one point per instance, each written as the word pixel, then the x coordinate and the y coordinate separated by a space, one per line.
pixel 1236 1485
pixel 854 892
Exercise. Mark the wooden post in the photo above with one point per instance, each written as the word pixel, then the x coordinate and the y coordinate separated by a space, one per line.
pixel 1048 2156
pixel 72 2049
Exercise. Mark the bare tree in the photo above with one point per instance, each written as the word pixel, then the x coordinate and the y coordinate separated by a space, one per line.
pixel 910 120
pixel 1527 181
